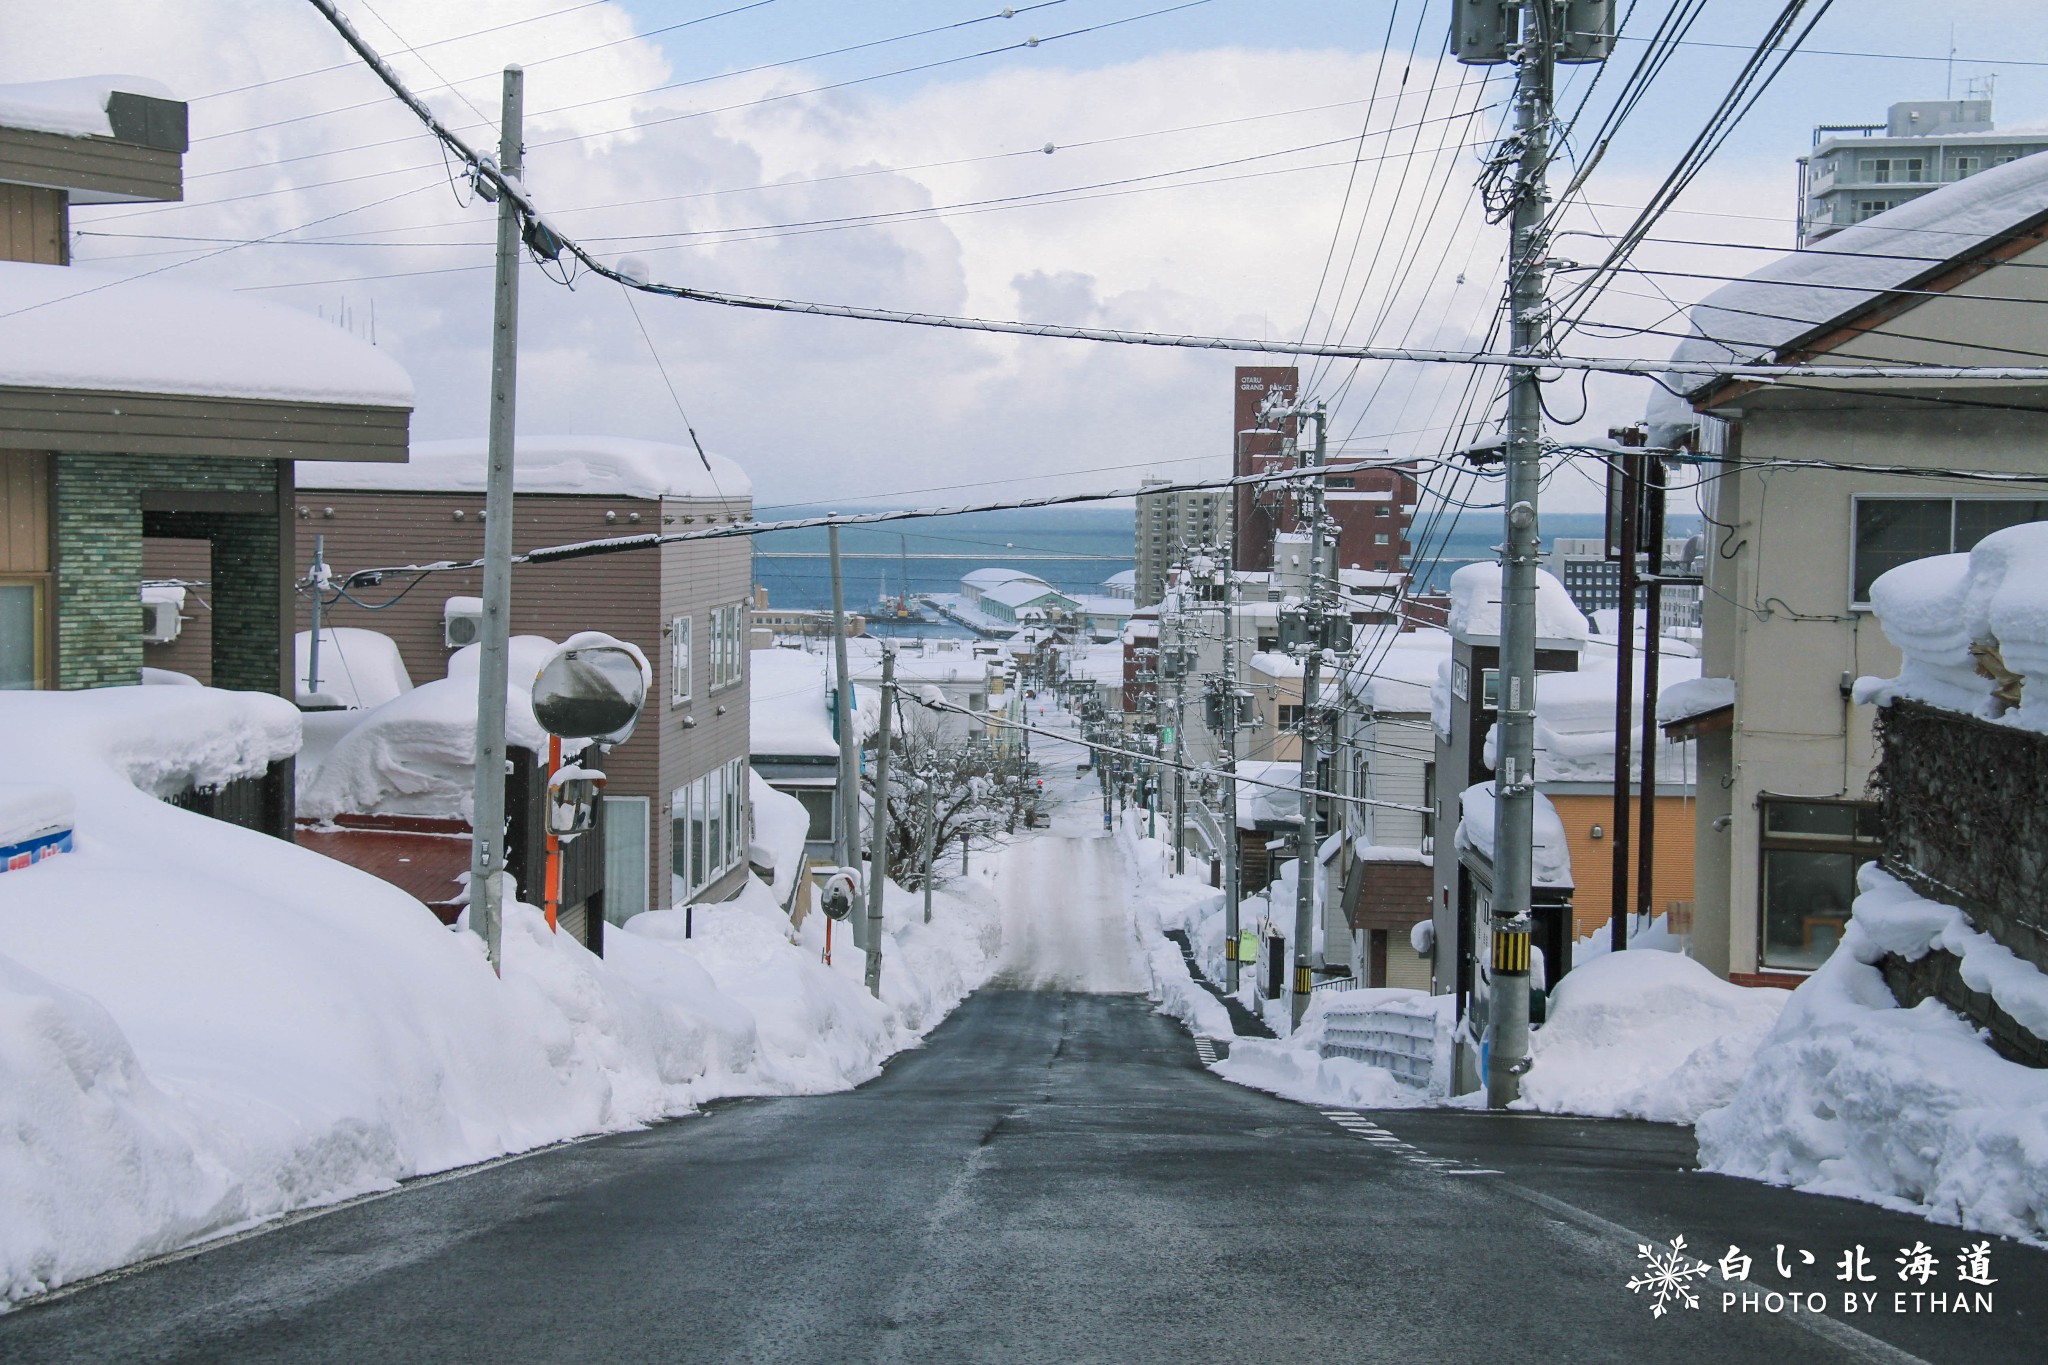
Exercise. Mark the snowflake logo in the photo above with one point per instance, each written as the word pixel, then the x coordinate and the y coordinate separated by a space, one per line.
pixel 1668 1277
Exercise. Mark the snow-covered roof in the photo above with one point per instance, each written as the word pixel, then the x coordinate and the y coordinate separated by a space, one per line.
pixel 72 327
pixel 359 668
pixel 1799 291
pixel 986 579
pixel 615 465
pixel 1127 579
pixel 1397 674
pixel 1694 697
pixel 76 107
pixel 789 698
pixel 1024 591
pixel 1551 858
pixel 1575 725
pixel 1475 606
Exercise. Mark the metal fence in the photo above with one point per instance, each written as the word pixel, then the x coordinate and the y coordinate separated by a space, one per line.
pixel 1397 1035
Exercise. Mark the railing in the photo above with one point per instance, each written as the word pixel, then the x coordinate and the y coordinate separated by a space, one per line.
pixel 262 803
pixel 1397 1035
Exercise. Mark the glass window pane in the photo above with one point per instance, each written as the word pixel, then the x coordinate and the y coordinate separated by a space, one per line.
pixel 818 801
pixel 1895 531
pixel 1806 904
pixel 18 627
pixel 679 846
pixel 1810 819
pixel 625 857
pixel 1977 518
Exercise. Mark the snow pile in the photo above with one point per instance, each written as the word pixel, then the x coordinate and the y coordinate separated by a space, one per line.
pixel 1552 854
pixel 1949 612
pixel 29 810
pixel 780 827
pixel 416 754
pixel 73 108
pixel 1693 697
pixel 359 668
pixel 1475 606
pixel 1645 1035
pixel 549 464
pixel 155 335
pixel 1851 1095
pixel 202 1027
pixel 1161 901
pixel 1268 790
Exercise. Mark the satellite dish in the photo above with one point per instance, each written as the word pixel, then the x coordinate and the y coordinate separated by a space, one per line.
pixel 591 688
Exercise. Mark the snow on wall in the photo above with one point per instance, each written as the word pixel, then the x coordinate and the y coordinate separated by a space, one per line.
pixel 548 464
pixel 1475 606
pixel 780 827
pixel 81 328
pixel 74 108
pixel 1851 1095
pixel 1936 610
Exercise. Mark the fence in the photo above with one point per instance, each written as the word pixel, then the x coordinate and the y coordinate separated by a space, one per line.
pixel 1398 1035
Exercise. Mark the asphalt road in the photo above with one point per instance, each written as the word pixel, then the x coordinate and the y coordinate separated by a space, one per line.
pixel 1053 1177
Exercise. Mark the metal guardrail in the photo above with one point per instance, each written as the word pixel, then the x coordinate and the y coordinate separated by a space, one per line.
pixel 1392 1034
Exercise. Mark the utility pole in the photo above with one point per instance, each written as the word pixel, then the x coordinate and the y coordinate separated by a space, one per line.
pixel 1653 631
pixel 846 843
pixel 878 847
pixel 1180 699
pixel 1623 477
pixel 487 812
pixel 1314 610
pixel 319 581
pixel 1233 878
pixel 931 821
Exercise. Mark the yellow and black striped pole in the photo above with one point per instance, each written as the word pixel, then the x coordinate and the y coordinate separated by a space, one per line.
pixel 1510 952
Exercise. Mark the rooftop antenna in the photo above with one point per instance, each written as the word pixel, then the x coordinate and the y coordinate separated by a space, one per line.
pixel 1948 85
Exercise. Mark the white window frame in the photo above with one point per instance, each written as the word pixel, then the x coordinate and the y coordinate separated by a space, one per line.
pixel 679 661
pixel 728 646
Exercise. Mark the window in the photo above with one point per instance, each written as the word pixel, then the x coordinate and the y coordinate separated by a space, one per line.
pixel 707 828
pixel 1895 170
pixel 1893 531
pixel 1968 165
pixel 678 661
pixel 1290 716
pixel 728 645
pixel 625 857
pixel 1870 208
pixel 1383 511
pixel 1379 538
pixel 1429 800
pixel 21 634
pixel 1811 850
pixel 822 805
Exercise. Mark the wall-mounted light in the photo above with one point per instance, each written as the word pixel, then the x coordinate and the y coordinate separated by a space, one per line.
pixel 327 512
pixel 690 723
pixel 1599 833
pixel 610 517
pixel 458 514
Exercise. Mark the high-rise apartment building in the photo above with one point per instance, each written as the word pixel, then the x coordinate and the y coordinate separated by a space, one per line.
pixel 1169 525
pixel 1857 171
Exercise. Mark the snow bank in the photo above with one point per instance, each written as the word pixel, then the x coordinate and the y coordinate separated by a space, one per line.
pixel 74 108
pixel 1851 1095
pixel 1645 1035
pixel 1945 612
pixel 156 335
pixel 1475 606
pixel 202 1027
pixel 1160 900
pixel 416 754
pixel 780 827
pixel 594 465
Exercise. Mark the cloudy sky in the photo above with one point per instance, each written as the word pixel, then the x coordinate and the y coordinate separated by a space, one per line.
pixel 1263 168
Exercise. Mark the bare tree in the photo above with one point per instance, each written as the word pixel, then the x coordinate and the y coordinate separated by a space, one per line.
pixel 976 793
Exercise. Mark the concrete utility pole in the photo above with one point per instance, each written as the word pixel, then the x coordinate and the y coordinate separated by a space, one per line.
pixel 1507 1028
pixel 318 579
pixel 1624 475
pixel 931 821
pixel 1314 610
pixel 487 812
pixel 878 846
pixel 846 842
pixel 1180 706
pixel 1233 878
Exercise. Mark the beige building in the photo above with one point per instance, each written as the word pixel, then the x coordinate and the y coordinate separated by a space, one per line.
pixel 1169 525
pixel 1953 278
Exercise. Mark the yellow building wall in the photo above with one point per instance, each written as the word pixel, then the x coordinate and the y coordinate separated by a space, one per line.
pixel 1593 859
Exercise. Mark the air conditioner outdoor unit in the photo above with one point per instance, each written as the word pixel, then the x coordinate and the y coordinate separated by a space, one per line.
pixel 160 622
pixel 462 621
